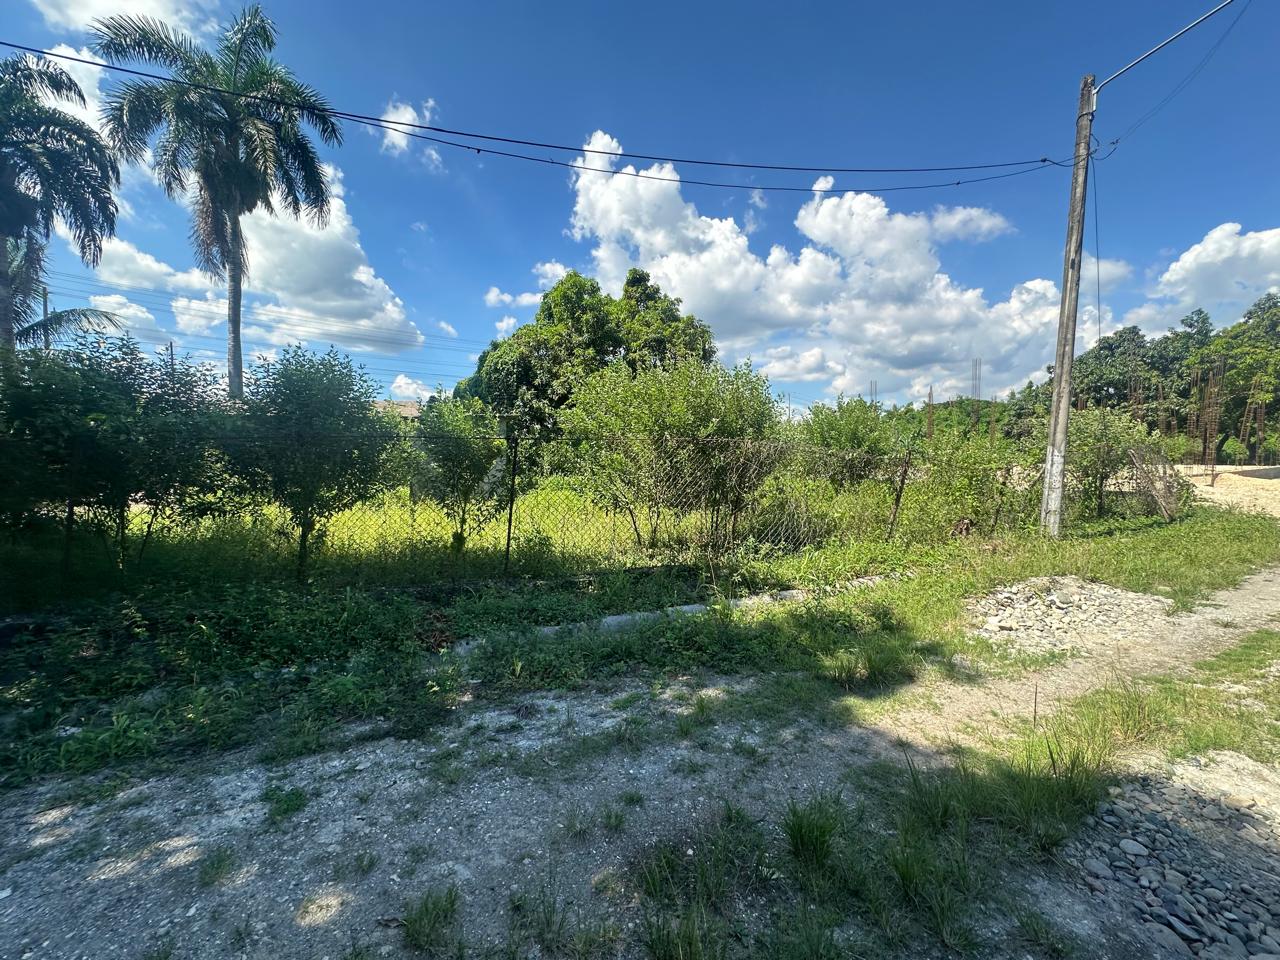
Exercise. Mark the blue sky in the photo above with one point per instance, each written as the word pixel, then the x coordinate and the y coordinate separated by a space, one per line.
pixel 430 254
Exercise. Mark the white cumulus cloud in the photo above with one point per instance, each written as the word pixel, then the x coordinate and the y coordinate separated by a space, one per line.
pixel 189 16
pixel 505 326
pixel 305 283
pixel 967 223
pixel 401 116
pixel 405 387
pixel 198 316
pixel 861 295
pixel 447 329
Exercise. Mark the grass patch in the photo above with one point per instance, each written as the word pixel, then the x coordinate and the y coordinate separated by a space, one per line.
pixel 810 829
pixel 216 866
pixel 283 804
pixel 1229 702
pixel 431 924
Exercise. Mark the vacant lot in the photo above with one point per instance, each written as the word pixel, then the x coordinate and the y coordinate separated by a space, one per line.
pixel 1003 749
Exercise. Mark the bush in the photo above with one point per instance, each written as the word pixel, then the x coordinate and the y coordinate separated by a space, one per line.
pixel 1098 445
pixel 311 439
pixel 462 468
pixel 674 440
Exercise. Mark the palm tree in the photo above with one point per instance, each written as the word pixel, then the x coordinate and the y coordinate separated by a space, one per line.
pixel 229 137
pixel 28 316
pixel 52 166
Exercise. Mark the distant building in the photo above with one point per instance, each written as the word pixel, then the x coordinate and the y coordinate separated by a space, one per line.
pixel 404 409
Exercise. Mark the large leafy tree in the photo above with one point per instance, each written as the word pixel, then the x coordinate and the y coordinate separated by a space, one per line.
pixel 579 330
pixel 53 165
pixel 229 130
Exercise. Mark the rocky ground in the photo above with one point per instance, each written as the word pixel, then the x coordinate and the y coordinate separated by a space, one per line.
pixel 1062 615
pixel 556 796
pixel 1191 853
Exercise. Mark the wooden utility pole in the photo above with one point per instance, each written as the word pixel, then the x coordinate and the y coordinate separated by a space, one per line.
pixel 1056 454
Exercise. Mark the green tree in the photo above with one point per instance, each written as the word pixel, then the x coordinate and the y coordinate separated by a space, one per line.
pixel 847 440
pixel 100 429
pixel 312 438
pixel 1098 445
pixel 654 331
pixel 462 464
pixel 1248 354
pixel 237 138
pixel 577 331
pixel 52 165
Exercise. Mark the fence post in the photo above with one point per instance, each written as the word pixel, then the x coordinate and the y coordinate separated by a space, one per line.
pixel 897 494
pixel 513 446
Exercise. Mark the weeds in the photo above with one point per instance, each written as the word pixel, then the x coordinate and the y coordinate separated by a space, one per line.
pixel 688 934
pixel 216 866
pixel 283 804
pixel 431 924
pixel 810 829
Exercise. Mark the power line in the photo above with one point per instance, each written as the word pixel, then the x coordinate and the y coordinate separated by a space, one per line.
pixel 1185 81
pixel 398 127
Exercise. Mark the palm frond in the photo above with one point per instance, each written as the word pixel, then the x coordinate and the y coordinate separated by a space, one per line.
pixel 36 77
pixel 60 325
pixel 249 39
pixel 145 39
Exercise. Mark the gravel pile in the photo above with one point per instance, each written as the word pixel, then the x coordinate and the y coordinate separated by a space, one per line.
pixel 1061 614
pixel 1198 872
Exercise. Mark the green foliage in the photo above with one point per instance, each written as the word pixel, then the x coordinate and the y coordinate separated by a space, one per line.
pixel 852 441
pixel 54 166
pixel 462 464
pixel 810 829
pixel 311 438
pixel 100 427
pixel 261 665
pixel 432 925
pixel 1099 442
pixel 1234 450
pixel 283 804
pixel 578 330
pixel 216 865
pixel 674 440
pixel 24 262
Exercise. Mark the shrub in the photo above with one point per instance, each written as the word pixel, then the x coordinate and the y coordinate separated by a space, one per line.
pixel 672 440
pixel 462 467
pixel 1098 445
pixel 310 437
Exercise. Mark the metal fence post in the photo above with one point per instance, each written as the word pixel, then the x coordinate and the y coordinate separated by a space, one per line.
pixel 513 447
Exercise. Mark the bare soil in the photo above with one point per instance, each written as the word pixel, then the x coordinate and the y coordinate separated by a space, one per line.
pixel 1235 488
pixel 558 794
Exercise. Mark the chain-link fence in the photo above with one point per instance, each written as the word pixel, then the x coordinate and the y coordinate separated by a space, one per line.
pixel 411 510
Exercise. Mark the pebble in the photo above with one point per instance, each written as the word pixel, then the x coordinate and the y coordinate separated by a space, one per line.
pixel 1186 864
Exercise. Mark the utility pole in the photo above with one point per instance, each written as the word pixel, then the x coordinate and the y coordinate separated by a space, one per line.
pixel 1055 459
pixel 1056 453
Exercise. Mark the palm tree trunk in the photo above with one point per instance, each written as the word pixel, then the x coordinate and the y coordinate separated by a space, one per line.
pixel 235 278
pixel 6 300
